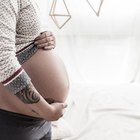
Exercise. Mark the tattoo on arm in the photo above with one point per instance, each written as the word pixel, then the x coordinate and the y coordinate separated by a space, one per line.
pixel 28 95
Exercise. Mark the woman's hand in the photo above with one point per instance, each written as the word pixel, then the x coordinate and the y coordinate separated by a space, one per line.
pixel 57 111
pixel 45 40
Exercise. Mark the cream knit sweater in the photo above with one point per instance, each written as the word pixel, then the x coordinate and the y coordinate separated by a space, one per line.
pixel 19 25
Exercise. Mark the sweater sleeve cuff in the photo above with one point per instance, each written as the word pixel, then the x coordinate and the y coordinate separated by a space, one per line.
pixel 18 81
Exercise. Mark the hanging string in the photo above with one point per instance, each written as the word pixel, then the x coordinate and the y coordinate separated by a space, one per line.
pixel 99 9
pixel 55 15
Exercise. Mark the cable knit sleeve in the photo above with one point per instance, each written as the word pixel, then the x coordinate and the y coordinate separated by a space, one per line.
pixel 12 75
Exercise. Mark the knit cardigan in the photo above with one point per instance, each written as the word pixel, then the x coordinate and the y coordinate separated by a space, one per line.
pixel 19 25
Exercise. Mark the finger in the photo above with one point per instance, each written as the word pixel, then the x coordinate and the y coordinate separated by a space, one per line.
pixel 48 47
pixel 41 41
pixel 43 45
pixel 44 35
pixel 50 38
pixel 62 115
pixel 63 112
pixel 64 105
pixel 51 43
pixel 44 40
pixel 47 33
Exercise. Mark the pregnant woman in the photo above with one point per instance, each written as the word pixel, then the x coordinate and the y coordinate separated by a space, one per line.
pixel 34 82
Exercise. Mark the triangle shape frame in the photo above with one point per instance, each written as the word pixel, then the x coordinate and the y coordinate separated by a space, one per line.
pixel 99 9
pixel 53 15
pixel 56 21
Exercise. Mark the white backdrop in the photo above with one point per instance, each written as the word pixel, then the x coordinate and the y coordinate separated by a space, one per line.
pixel 101 49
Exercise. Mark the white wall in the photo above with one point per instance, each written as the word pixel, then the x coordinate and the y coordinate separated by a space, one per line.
pixel 101 49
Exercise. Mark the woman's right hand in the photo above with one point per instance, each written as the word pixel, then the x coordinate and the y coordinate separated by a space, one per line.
pixel 46 40
pixel 50 112
pixel 56 111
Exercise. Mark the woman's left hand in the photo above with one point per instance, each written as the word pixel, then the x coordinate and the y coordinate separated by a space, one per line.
pixel 45 40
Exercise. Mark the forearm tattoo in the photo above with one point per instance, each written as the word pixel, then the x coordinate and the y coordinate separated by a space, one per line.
pixel 28 95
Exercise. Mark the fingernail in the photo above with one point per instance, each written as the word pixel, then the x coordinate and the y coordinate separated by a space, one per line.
pixel 45 48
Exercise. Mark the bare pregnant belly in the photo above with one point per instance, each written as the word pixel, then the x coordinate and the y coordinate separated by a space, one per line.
pixel 49 76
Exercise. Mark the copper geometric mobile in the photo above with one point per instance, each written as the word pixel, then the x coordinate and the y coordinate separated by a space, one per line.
pixel 59 18
pixel 97 12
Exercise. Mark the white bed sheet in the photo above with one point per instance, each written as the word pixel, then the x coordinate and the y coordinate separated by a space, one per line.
pixel 103 112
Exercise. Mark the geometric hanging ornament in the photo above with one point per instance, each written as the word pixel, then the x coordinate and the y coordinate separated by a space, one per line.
pixel 59 13
pixel 96 6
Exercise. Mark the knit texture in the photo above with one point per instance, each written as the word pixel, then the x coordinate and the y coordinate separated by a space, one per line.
pixel 19 25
